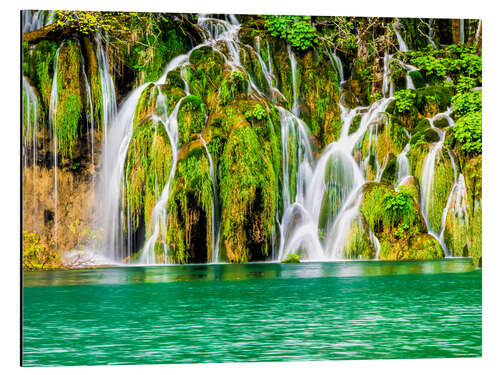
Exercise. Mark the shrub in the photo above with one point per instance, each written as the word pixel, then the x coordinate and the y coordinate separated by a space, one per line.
pixel 404 100
pixel 297 30
pixel 467 102
pixel 37 256
pixel 468 132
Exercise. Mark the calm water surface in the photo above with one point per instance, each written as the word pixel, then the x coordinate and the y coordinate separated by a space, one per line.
pixel 252 312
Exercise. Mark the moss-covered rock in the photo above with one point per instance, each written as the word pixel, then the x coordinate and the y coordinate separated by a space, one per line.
pixel 411 187
pixel 70 96
pixel 190 209
pixel 395 218
pixel 358 243
pixel 248 197
pixel 432 100
pixel 147 167
pixel 291 258
pixel 389 166
pixel 191 118
pixel 417 79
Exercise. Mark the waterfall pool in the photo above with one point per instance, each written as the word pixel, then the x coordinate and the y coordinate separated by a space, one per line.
pixel 252 312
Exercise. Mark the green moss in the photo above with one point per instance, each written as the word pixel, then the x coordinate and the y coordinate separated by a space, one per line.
pixel 147 167
pixel 191 118
pixel 358 245
pixel 441 186
pixel 356 121
pixel 190 210
pixel 291 258
pixel 69 98
pixel 432 100
pixel 394 217
pixel 390 172
pixel 411 187
pixel 232 86
pixel 250 61
pixel 39 67
pixel 441 122
pixel 247 195
pixel 423 247
pixel 417 79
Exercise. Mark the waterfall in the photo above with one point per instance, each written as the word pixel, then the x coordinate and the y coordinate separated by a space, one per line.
pixel 215 31
pixel 334 59
pixel 90 116
pixel 427 178
pixel 403 164
pixel 34 20
pixel 108 98
pixel 160 210
pixel 336 181
pixel 53 127
pixel 430 34
pixel 293 66
pixel 30 126
pixel 215 207
pixel 401 42
pixel 120 133
pixel 462 31
pixel 457 203
pixel 376 244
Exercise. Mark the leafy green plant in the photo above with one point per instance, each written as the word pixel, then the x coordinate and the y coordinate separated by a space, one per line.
pixel 36 255
pixel 467 102
pixel 404 99
pixel 291 258
pixel 297 30
pixel 468 131
pixel 397 205
pixel 259 113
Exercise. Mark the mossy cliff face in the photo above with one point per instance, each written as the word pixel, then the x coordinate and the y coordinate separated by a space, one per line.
pixel 222 161
pixel 73 221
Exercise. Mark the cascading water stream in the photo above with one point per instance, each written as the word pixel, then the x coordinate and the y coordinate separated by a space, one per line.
pixel 402 45
pixel 215 207
pixel 403 165
pixel 301 227
pixel 53 127
pixel 427 178
pixel 34 20
pixel 159 215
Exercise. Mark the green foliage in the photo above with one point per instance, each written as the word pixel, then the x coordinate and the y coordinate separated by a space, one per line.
pixel 398 205
pixel 468 132
pixel 191 118
pixel 297 30
pixel 191 196
pixel 467 102
pixel 291 258
pixel 248 196
pixel 453 61
pixel 258 113
pixel 37 256
pixel 69 98
pixel 404 99
pixel 87 22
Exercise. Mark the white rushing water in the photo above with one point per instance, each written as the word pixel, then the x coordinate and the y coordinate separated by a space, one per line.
pixel 215 206
pixel 36 19
pixel 335 182
pixel 53 127
pixel 428 171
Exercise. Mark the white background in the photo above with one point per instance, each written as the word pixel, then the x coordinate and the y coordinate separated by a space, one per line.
pixel 10 179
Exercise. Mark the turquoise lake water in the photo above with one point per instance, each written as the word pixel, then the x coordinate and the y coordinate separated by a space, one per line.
pixel 252 312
